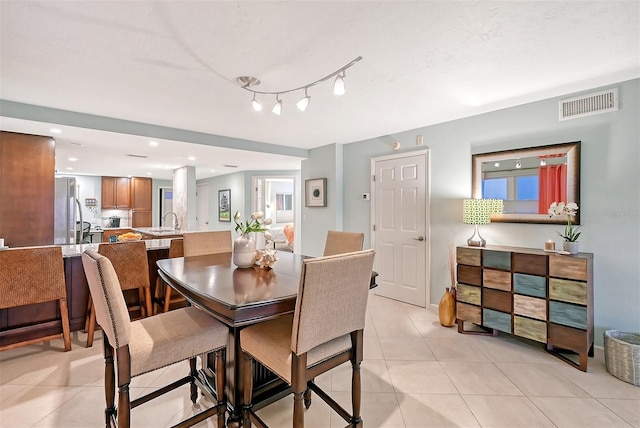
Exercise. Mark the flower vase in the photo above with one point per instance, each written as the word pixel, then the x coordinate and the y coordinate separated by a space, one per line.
pixel 447 309
pixel 571 247
pixel 244 251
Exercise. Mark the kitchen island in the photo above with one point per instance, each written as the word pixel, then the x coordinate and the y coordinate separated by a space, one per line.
pixel 158 232
pixel 34 321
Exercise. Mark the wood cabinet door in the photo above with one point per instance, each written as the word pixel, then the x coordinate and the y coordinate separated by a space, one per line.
pixel 108 192
pixel 141 189
pixel 123 193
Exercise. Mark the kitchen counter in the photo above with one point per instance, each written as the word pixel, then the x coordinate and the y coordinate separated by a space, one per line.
pixel 158 232
pixel 75 250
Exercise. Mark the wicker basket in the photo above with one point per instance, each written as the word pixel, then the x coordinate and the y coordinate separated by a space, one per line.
pixel 622 355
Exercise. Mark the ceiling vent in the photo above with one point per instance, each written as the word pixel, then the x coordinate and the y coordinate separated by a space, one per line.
pixel 586 105
pixel 138 156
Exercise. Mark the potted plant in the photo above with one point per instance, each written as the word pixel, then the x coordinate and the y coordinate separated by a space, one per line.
pixel 571 233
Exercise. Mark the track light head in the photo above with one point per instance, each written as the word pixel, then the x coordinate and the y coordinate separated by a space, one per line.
pixel 304 102
pixel 338 85
pixel 277 107
pixel 256 104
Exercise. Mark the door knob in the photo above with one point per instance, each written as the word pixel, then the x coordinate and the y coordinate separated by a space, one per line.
pixel 419 238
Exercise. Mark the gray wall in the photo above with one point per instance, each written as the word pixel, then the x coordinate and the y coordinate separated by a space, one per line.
pixel 610 191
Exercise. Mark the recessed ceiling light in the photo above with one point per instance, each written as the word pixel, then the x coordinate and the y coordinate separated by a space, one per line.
pixel 69 168
pixel 149 173
pixel 153 143
pixel 192 158
pixel 213 170
pixel 77 144
pixel 55 131
pixel 129 176
pixel 72 159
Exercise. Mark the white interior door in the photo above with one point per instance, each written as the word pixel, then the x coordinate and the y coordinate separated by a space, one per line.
pixel 401 234
pixel 202 199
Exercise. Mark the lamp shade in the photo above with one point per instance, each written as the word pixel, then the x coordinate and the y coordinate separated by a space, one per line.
pixel 476 211
pixel 496 206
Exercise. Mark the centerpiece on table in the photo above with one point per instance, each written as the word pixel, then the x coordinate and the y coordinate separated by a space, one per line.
pixel 571 232
pixel 244 247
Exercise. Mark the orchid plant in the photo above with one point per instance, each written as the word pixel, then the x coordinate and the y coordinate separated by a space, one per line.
pixel 571 233
pixel 256 223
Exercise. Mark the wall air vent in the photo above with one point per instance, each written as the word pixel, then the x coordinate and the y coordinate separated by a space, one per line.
pixel 586 105
pixel 137 156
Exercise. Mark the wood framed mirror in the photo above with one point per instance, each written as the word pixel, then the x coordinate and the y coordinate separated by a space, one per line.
pixel 528 180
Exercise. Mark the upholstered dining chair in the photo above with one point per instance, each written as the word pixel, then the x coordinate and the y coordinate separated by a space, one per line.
pixel 325 331
pixel 34 275
pixel 210 242
pixel 342 242
pixel 162 290
pixel 149 344
pixel 129 259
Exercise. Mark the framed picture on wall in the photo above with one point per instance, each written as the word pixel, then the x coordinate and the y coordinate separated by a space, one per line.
pixel 315 192
pixel 224 205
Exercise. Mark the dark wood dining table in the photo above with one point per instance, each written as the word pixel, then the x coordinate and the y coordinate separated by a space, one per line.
pixel 238 298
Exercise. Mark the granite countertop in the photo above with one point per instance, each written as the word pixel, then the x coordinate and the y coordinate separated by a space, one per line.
pixel 76 250
pixel 158 231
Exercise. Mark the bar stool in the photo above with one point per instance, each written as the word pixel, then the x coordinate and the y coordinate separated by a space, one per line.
pixel 342 242
pixel 163 291
pixel 210 242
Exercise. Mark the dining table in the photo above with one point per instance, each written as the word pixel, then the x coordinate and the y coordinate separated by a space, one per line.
pixel 238 297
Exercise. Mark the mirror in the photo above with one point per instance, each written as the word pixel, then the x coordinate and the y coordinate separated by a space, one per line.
pixel 528 180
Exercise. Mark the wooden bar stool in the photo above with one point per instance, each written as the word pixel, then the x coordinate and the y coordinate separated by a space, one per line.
pixel 342 242
pixel 163 291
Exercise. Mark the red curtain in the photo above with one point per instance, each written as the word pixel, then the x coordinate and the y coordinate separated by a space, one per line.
pixel 552 182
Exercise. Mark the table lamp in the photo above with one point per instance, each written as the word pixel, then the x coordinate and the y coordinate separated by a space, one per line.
pixel 476 212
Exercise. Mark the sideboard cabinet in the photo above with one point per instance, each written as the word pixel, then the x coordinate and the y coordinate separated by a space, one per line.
pixel 526 292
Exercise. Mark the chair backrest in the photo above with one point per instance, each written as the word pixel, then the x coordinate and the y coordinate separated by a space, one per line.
pixel 332 298
pixel 211 242
pixel 129 260
pixel 176 248
pixel 31 275
pixel 110 307
pixel 342 242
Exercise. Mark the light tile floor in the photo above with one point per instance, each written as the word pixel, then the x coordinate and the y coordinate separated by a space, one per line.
pixel 416 373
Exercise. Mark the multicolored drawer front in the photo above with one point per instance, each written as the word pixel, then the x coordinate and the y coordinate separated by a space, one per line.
pixel 471 275
pixel 568 291
pixel 468 256
pixel 568 267
pixel 531 329
pixel 530 307
pixel 568 314
pixel 533 264
pixel 498 279
pixel 468 294
pixel 496 299
pixel 496 259
pixel 469 313
pixel 498 320
pixel 530 285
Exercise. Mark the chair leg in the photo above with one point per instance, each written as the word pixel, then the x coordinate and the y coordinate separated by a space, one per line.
pixel 356 395
pixel 220 382
pixel 193 373
pixel 109 383
pixel 247 374
pixel 66 331
pixel 124 378
pixel 147 301
pixel 167 298
pixel 92 326
pixel 299 386
pixel 307 397
pixel 86 320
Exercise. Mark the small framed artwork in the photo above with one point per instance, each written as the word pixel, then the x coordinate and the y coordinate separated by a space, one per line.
pixel 224 205
pixel 315 192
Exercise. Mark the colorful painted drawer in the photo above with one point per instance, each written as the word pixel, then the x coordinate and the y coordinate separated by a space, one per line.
pixel 496 259
pixel 496 299
pixel 498 279
pixel 531 329
pixel 468 256
pixel 569 267
pixel 471 275
pixel 469 313
pixel 534 264
pixel 568 314
pixel 495 319
pixel 469 294
pixel 531 307
pixel 531 285
pixel 568 291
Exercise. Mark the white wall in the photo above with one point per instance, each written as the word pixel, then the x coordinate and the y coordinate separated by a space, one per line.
pixel 610 191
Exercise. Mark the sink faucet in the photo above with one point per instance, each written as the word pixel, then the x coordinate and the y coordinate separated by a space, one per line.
pixel 176 226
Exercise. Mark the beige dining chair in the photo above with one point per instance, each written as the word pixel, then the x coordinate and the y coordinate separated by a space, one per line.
pixel 210 242
pixel 342 242
pixel 162 290
pixel 325 331
pixel 129 260
pixel 149 344
pixel 34 275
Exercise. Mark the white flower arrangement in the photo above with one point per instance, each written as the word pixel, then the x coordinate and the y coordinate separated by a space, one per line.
pixel 571 233
pixel 257 223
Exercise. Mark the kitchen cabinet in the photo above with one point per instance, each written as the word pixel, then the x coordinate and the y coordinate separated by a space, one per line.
pixel 116 193
pixel 27 172
pixel 141 189
pixel 106 233
pixel 526 292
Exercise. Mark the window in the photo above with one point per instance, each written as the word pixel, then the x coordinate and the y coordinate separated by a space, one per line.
pixel 284 201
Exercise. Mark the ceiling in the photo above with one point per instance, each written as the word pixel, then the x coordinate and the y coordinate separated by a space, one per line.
pixel 173 64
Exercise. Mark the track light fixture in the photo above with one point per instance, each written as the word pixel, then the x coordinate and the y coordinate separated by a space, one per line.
pixel 247 82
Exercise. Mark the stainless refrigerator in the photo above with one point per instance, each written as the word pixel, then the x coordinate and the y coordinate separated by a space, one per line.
pixel 67 219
